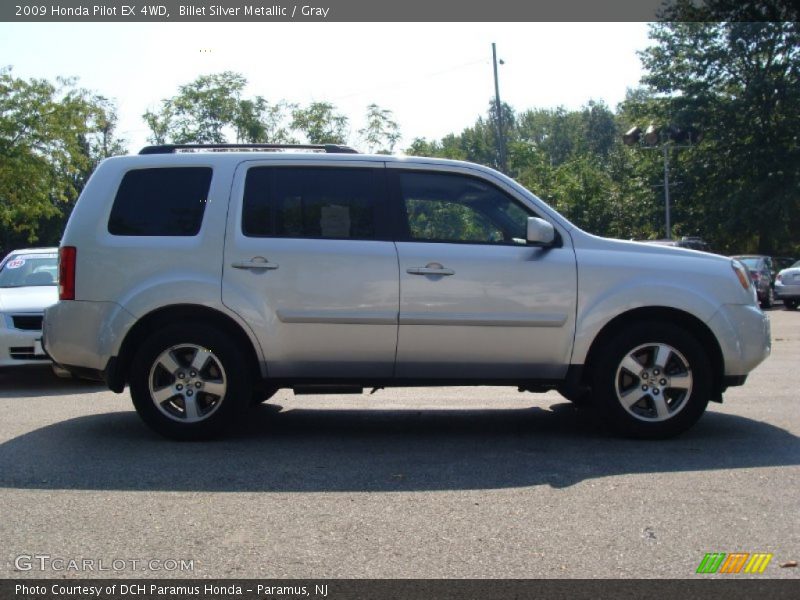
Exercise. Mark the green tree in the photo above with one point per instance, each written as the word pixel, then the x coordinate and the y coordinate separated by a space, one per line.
pixel 381 132
pixel 258 121
pixel 570 159
pixel 51 137
pixel 320 123
pixel 212 110
pixel 200 112
pixel 724 69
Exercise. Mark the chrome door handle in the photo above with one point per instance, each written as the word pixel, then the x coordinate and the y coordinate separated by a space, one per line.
pixel 259 262
pixel 430 271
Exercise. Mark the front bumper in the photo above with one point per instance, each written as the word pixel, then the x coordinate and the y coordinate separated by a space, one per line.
pixel 20 347
pixel 743 332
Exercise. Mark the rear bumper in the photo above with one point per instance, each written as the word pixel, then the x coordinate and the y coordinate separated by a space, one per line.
pixel 83 336
pixel 787 292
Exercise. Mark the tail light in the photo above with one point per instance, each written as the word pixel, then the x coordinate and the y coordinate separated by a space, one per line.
pixel 741 274
pixel 66 272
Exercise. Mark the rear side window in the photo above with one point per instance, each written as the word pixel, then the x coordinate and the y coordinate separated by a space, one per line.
pixel 160 202
pixel 310 202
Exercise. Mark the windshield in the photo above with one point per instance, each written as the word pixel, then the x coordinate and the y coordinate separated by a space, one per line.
pixel 29 270
pixel 795 265
pixel 752 263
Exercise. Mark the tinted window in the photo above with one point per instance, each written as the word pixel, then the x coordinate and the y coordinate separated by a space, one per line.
pixel 29 270
pixel 160 202
pixel 454 208
pixel 310 202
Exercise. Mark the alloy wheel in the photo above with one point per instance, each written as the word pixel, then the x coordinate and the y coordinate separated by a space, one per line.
pixel 187 383
pixel 653 382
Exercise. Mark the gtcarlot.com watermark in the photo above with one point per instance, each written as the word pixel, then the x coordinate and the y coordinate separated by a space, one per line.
pixel 46 562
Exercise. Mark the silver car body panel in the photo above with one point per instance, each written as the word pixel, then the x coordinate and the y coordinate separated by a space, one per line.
pixel 506 311
pixel 327 308
pixel 86 334
pixel 140 274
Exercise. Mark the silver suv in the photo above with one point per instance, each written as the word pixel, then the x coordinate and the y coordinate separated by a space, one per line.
pixel 205 278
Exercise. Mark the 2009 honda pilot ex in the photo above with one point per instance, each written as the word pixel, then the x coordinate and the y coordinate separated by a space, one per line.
pixel 207 279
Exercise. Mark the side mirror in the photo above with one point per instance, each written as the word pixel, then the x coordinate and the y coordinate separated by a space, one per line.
pixel 540 232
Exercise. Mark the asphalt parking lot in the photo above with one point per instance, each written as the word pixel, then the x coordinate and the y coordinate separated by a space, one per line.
pixel 443 482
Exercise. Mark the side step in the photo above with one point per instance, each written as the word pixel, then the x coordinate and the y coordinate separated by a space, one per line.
pixel 300 390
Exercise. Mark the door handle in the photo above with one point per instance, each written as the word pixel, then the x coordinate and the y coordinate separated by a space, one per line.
pixel 259 262
pixel 432 269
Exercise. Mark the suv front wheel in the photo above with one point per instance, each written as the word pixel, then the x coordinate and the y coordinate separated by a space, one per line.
pixel 189 382
pixel 652 381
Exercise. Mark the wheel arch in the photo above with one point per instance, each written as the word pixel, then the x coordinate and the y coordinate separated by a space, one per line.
pixel 118 371
pixel 665 315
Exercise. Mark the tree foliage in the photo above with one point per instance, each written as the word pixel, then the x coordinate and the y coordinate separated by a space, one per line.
pixel 570 159
pixel 320 123
pixel 730 69
pixel 51 138
pixel 738 80
pixel 381 132
pixel 214 109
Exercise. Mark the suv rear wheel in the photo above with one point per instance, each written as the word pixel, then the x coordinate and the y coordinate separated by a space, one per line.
pixel 652 381
pixel 189 382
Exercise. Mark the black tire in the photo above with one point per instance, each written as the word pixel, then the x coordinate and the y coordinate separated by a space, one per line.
pixel 769 298
pixel 790 304
pixel 580 399
pixel 261 396
pixel 223 370
pixel 673 402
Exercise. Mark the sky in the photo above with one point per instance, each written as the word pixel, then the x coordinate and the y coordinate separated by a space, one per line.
pixel 435 77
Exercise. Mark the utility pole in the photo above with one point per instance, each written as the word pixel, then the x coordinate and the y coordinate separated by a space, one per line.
pixel 666 189
pixel 667 137
pixel 501 139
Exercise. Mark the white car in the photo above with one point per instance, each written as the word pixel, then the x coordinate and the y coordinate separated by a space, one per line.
pixel 787 286
pixel 207 277
pixel 28 285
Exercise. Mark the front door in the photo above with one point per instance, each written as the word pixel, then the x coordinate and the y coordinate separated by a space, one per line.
pixel 476 301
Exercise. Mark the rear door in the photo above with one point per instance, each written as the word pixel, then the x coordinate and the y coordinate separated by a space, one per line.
pixel 310 266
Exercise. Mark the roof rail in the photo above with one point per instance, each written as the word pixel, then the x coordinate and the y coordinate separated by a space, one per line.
pixel 174 148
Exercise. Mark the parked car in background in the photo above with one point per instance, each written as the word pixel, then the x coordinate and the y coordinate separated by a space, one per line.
pixel 761 273
pixel 779 263
pixel 28 285
pixel 787 286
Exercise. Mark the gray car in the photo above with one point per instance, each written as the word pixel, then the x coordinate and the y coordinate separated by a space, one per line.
pixel 761 272
pixel 787 286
